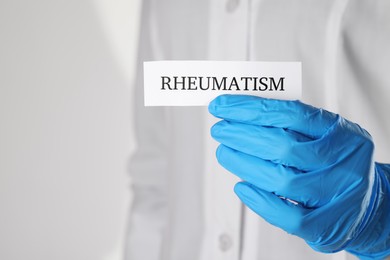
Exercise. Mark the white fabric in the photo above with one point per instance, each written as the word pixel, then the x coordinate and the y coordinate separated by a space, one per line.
pixel 184 207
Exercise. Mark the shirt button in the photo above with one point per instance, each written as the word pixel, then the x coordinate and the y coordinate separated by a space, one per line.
pixel 225 242
pixel 231 5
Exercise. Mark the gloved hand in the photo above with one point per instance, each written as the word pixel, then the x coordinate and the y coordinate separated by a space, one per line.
pixel 307 171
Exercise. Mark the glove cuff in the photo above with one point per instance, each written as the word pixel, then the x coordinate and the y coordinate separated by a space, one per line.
pixel 373 242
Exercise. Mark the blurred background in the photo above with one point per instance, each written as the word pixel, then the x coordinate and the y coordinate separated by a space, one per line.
pixel 66 69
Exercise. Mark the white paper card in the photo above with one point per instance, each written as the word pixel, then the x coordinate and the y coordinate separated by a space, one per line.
pixel 196 83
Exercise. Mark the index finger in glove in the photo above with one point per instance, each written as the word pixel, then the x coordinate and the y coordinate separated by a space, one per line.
pixel 294 115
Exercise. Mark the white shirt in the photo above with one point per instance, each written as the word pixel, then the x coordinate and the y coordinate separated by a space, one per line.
pixel 184 206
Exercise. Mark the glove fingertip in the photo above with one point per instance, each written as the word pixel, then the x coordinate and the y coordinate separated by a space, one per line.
pixel 216 103
pixel 245 192
pixel 218 153
pixel 217 131
pixel 213 106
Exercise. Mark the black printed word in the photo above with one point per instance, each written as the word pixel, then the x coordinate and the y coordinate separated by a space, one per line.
pixel 222 83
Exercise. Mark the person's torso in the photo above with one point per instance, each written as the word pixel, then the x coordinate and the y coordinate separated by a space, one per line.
pixel 341 49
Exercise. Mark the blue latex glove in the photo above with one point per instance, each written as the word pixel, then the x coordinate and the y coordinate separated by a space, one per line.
pixel 286 152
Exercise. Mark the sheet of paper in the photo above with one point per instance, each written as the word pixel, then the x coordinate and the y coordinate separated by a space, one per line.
pixel 196 83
